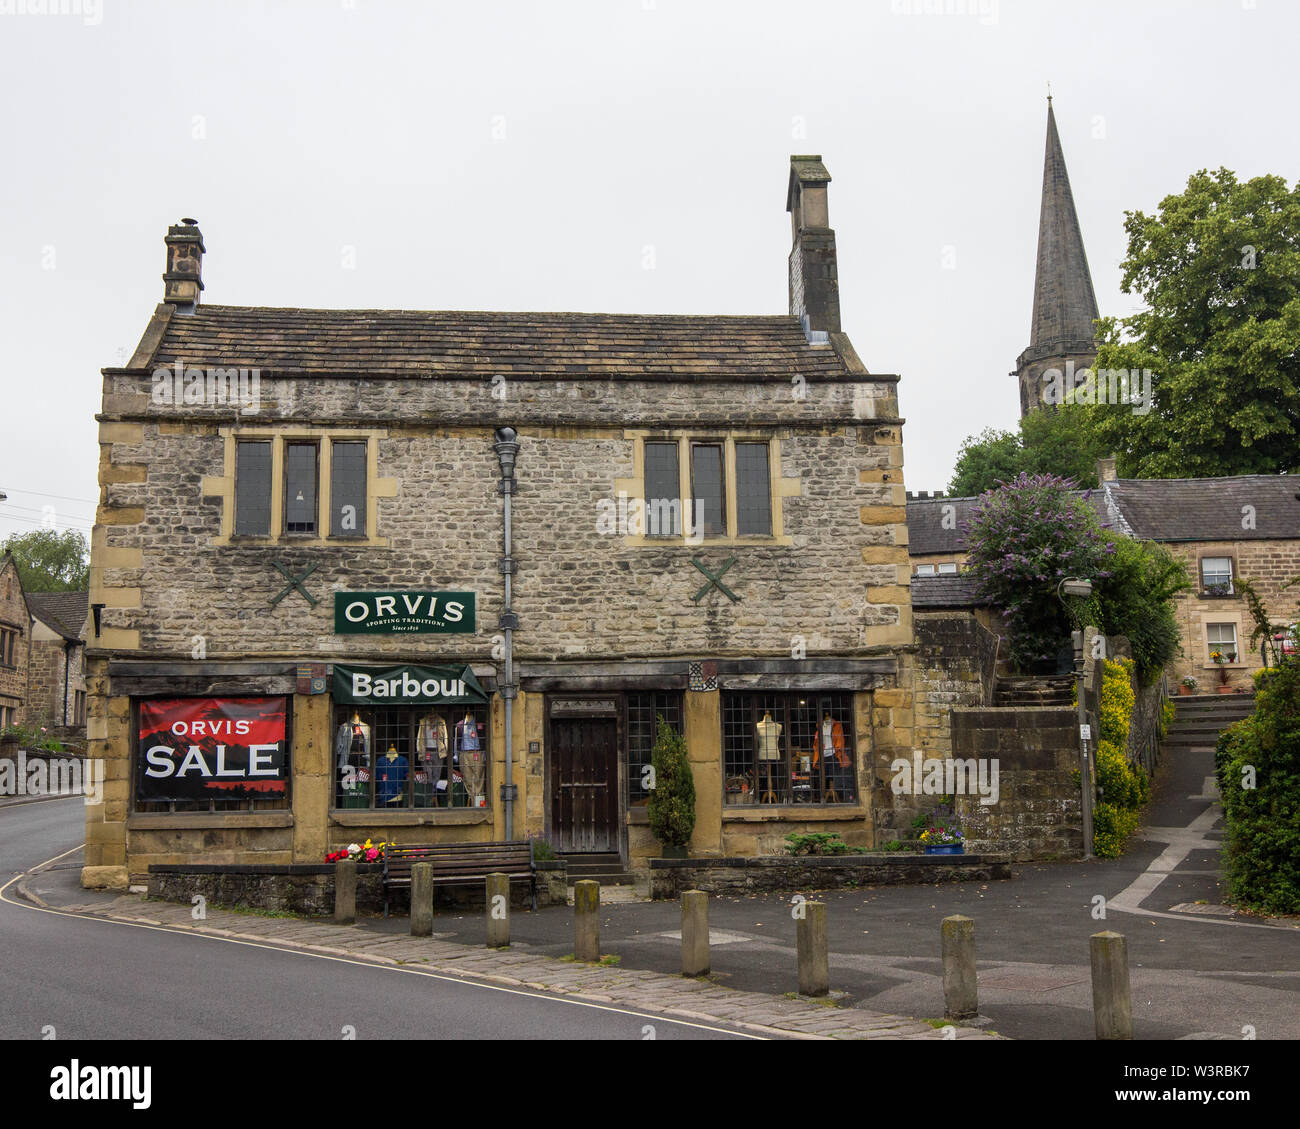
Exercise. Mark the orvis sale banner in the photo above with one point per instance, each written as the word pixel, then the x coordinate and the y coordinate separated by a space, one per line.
pixel 206 748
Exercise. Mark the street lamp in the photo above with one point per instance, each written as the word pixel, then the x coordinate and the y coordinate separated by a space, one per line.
pixel 1081 590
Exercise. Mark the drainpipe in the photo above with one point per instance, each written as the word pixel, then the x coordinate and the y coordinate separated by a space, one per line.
pixel 67 650
pixel 507 450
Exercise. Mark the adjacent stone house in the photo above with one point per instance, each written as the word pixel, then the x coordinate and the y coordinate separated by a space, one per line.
pixel 434 576
pixel 15 644
pixel 56 678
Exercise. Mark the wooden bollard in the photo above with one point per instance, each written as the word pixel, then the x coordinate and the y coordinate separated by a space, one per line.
pixel 695 933
pixel 345 892
pixel 814 965
pixel 498 911
pixel 960 990
pixel 586 920
pixel 421 899
pixel 1112 1002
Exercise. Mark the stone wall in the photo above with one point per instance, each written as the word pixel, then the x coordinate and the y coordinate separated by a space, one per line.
pixel 309 889
pixel 14 617
pixel 669 877
pixel 45 681
pixel 1037 814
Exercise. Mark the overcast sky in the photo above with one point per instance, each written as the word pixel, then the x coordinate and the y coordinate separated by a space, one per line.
pixel 524 156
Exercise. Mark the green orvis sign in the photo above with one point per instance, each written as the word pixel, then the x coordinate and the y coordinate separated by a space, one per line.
pixel 400 613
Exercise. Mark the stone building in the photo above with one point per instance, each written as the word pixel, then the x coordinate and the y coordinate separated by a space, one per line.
pixel 15 644
pixel 56 679
pixel 1061 334
pixel 1224 529
pixel 309 627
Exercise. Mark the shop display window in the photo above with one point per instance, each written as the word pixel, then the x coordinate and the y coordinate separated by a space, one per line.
pixel 411 757
pixel 643 712
pixel 788 749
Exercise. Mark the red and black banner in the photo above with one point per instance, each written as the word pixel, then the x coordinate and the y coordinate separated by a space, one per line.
pixel 206 748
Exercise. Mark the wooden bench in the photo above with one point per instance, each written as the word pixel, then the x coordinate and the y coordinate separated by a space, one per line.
pixel 462 864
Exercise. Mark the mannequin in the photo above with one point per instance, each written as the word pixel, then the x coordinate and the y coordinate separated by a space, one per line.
pixel 431 750
pixel 473 764
pixel 352 742
pixel 769 753
pixel 832 754
pixel 391 777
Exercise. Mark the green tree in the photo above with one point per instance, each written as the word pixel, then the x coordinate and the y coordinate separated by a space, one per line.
pixel 1134 596
pixel 1218 269
pixel 48 561
pixel 672 798
pixel 1048 442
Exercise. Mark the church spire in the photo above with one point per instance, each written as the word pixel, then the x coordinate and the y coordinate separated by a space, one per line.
pixel 1065 305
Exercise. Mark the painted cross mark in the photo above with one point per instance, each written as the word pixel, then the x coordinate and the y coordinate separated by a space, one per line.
pixel 294 582
pixel 715 581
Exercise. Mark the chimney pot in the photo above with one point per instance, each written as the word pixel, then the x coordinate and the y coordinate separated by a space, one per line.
pixel 183 279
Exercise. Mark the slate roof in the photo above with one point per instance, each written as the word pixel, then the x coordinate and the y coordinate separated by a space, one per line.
pixel 945 592
pixel 925 522
pixel 64 612
pixel 1209 509
pixel 416 344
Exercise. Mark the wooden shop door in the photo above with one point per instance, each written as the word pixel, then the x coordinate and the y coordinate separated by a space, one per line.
pixel 584 784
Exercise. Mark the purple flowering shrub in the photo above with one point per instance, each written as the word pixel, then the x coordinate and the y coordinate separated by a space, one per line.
pixel 1024 538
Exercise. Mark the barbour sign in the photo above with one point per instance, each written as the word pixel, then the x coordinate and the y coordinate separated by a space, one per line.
pixel 396 613
pixel 406 685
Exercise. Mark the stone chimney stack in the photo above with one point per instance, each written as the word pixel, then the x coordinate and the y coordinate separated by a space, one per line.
pixel 814 277
pixel 184 277
pixel 1106 470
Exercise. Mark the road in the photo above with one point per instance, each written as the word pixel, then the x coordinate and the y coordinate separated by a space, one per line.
pixel 92 979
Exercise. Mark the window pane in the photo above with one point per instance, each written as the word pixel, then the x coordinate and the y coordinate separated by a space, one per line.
pixel 300 488
pixel 348 490
pixel 925 570
pixel 753 491
pixel 1216 570
pixel 643 712
pixel 253 489
pixel 947 570
pixel 662 490
pixel 706 476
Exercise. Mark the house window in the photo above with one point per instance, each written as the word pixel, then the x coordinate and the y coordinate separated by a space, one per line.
pixel 295 486
pixel 411 757
pixel 788 749
pixel 948 570
pixel 253 489
pixel 300 487
pixel 708 489
pixel 725 485
pixel 662 490
pixel 8 644
pixel 753 491
pixel 79 707
pixel 1216 576
pixel 925 570
pixel 348 490
pixel 1222 637
pixel 643 713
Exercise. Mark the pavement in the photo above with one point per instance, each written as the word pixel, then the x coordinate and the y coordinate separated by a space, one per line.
pixel 1190 979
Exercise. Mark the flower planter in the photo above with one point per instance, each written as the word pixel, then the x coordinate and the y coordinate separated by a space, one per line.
pixel 1184 689
pixel 1227 690
pixel 947 849
pixel 671 852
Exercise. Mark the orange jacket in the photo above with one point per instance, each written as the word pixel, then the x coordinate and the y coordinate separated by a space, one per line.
pixel 837 745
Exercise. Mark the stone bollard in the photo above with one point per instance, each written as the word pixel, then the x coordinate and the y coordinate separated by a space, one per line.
pixel 695 933
pixel 421 899
pixel 814 966
pixel 960 990
pixel 1112 1002
pixel 586 920
pixel 498 911
pixel 345 892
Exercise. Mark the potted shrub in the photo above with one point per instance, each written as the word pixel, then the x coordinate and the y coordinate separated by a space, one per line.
pixel 943 840
pixel 672 794
pixel 1221 661
pixel 1188 685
